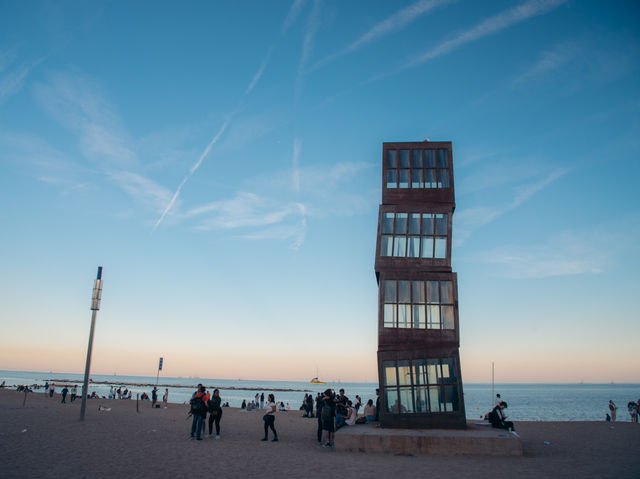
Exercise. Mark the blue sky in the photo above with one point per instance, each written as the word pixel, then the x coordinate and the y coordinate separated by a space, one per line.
pixel 222 162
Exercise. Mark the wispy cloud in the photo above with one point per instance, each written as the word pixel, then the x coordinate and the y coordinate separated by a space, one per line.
pixel 396 22
pixel 471 219
pixel 550 61
pixel 566 254
pixel 294 12
pixel 12 82
pixel 297 145
pixel 489 26
pixel 258 74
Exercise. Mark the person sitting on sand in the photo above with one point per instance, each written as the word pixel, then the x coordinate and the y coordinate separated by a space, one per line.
pixel 497 418
pixel 352 415
pixel 370 411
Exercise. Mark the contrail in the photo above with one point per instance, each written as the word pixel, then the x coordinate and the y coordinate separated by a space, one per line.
pixel 193 169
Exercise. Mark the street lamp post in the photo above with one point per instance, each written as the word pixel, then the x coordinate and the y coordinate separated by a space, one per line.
pixel 95 307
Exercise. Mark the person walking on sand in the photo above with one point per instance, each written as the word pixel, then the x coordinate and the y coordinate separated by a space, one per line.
pixel 612 409
pixel 198 411
pixel 52 389
pixel 74 392
pixel 215 413
pixel 165 397
pixel 269 418
pixel 65 391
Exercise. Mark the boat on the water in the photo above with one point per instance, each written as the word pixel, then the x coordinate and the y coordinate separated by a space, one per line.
pixel 317 381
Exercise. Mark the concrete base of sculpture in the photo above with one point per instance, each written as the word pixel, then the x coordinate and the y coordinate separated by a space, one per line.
pixel 478 440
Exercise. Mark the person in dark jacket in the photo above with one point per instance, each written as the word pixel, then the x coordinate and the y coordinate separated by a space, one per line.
pixel 215 413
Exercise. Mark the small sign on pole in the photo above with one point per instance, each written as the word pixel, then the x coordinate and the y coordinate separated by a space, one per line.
pixel 160 364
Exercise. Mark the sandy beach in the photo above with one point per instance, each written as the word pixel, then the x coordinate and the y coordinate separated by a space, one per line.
pixel 46 439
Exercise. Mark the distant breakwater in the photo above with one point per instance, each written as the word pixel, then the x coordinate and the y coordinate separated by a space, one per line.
pixel 230 388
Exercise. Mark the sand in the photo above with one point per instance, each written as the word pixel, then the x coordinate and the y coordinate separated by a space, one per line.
pixel 46 439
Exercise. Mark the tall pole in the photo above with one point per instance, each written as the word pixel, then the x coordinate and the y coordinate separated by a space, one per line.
pixel 95 307
pixel 159 369
pixel 492 378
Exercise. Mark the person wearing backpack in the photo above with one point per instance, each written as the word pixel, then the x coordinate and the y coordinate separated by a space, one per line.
pixel 199 402
pixel 215 413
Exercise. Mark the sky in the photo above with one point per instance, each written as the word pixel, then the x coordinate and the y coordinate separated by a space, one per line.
pixel 222 162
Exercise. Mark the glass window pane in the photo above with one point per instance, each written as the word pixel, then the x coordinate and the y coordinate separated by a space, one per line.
pixel 404 373
pixel 419 371
pixel 400 246
pixel 429 178
pixel 406 401
pixel 440 250
pixel 418 292
pixel 451 368
pixel 443 158
pixel 434 316
pixel 404 158
pixel 447 317
pixel 419 316
pixel 432 377
pixel 421 399
pixel 434 399
pixel 391 400
pixel 451 393
pixel 414 224
pixel 385 247
pixel 390 315
pixel 414 247
pixel 445 370
pixel 427 247
pixel 404 292
pixel 404 315
pixel 443 178
pixel 416 179
pixel 387 223
pixel 392 178
pixel 433 295
pixel 404 179
pixel 446 292
pixel 441 224
pixel 390 291
pixel 392 159
pixel 389 373
pixel 401 223
pixel 427 224
pixel 416 159
pixel 429 158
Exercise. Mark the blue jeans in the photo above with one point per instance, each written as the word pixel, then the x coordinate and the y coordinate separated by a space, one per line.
pixel 339 421
pixel 196 425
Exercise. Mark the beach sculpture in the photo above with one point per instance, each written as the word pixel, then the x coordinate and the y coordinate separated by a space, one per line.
pixel 418 329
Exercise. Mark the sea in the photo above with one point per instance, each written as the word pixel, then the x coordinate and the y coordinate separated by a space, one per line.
pixel 526 402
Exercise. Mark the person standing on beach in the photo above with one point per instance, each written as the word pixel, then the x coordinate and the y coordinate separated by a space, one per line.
pixel 215 413
pixel 269 418
pixel 328 416
pixel 165 397
pixel 46 388
pixel 74 392
pixel 198 411
pixel 65 391
pixel 612 409
pixel 497 401
pixel 261 400
pixel 154 396
pixel 52 389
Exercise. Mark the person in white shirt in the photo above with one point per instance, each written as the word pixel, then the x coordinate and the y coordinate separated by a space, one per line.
pixel 269 419
pixel 352 415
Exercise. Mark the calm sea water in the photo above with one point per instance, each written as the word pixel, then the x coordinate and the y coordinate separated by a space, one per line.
pixel 527 402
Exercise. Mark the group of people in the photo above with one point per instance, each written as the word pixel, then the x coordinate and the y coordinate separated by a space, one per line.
pixel 633 408
pixel 203 404
pixel 336 411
